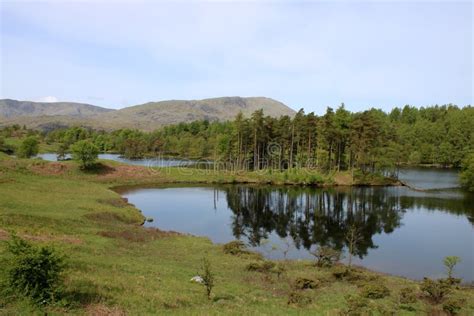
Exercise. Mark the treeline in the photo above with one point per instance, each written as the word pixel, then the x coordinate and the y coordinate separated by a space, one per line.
pixel 338 140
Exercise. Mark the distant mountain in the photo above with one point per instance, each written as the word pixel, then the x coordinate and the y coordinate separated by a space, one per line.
pixel 146 116
pixel 13 108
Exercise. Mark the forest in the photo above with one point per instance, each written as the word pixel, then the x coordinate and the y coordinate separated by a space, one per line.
pixel 371 141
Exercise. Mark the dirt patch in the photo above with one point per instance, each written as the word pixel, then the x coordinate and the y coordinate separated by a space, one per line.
pixel 127 172
pixel 4 235
pixel 52 168
pixel 103 310
pixel 138 234
pixel 109 217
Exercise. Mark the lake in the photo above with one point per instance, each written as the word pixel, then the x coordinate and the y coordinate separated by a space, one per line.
pixel 149 162
pixel 404 232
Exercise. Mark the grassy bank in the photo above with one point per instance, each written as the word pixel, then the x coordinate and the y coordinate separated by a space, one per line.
pixel 118 267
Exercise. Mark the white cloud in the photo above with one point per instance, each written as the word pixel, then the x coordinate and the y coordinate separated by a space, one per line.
pixel 48 99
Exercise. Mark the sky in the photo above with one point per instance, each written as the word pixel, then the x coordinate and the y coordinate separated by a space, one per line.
pixel 307 54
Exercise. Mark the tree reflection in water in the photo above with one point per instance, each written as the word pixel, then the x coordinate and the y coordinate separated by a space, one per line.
pixel 318 216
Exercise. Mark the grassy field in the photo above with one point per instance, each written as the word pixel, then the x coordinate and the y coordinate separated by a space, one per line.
pixel 117 267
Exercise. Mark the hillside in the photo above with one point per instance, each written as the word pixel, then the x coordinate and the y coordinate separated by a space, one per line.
pixel 13 108
pixel 146 116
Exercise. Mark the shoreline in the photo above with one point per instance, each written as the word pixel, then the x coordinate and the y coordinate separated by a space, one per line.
pixel 123 265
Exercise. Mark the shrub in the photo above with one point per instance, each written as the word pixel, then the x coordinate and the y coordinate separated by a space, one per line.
pixel 340 272
pixel 4 147
pixel 326 256
pixel 62 149
pixel 298 298
pixel 28 148
pixel 279 269
pixel 450 262
pixel 453 305
pixel 407 295
pixel 263 266
pixel 375 290
pixel 34 272
pixel 436 290
pixel 85 152
pixel 304 284
pixel 356 305
pixel 207 277
pixel 235 247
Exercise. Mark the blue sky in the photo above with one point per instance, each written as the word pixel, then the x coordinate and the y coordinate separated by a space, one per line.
pixel 306 54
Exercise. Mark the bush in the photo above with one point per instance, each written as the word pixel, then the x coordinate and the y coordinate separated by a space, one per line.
pixel 263 266
pixel 235 247
pixel 436 290
pixel 28 148
pixel 326 256
pixel 375 290
pixel 340 272
pixel 304 283
pixel 356 305
pixel 4 147
pixel 453 305
pixel 297 298
pixel 407 295
pixel 34 272
pixel 85 152
pixel 450 262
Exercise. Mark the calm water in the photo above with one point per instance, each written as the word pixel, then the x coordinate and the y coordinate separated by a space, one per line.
pixel 430 178
pixel 405 232
pixel 152 162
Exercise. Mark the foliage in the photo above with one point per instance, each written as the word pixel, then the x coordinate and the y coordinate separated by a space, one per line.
pixel 450 262
pixel 375 290
pixel 235 247
pixel 28 148
pixel 34 272
pixel 436 289
pixel 371 141
pixel 305 283
pixel 261 266
pixel 61 153
pixel 298 298
pixel 339 272
pixel 326 256
pixel 207 276
pixel 356 305
pixel 453 305
pixel 85 152
pixel 467 173
pixel 407 295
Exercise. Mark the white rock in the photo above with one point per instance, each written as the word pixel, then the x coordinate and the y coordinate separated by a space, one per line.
pixel 197 279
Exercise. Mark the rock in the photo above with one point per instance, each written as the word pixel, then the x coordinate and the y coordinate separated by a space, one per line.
pixel 197 279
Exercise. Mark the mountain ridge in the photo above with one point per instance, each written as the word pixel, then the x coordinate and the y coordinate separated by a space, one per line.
pixel 146 116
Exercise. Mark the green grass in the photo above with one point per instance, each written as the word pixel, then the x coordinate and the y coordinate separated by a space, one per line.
pixel 142 272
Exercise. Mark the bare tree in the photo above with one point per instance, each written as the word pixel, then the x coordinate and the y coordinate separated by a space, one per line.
pixel 353 237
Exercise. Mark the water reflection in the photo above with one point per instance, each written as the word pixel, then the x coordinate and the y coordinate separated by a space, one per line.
pixel 404 232
pixel 310 218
